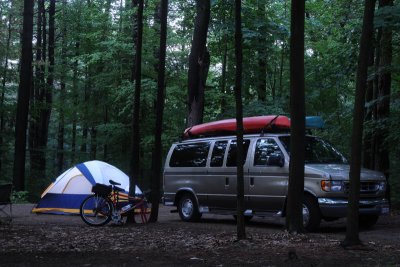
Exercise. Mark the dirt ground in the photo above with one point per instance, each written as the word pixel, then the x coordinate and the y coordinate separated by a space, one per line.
pixel 56 240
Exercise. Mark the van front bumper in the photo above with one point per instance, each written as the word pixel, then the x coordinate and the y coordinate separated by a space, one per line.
pixel 337 208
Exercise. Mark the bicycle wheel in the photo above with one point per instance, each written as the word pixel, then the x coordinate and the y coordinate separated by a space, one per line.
pixel 96 210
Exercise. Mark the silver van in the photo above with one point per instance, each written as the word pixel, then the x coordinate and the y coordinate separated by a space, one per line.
pixel 200 177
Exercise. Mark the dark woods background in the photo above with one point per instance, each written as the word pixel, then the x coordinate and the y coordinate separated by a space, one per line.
pixel 81 95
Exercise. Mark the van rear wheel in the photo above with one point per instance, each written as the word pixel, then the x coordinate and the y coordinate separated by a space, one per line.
pixel 188 208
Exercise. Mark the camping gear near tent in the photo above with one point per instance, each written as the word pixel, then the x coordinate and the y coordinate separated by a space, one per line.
pixel 66 193
pixel 256 124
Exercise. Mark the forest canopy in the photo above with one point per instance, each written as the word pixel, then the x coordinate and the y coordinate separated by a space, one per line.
pixel 89 78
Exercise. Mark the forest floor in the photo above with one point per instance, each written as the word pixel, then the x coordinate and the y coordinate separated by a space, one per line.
pixel 56 240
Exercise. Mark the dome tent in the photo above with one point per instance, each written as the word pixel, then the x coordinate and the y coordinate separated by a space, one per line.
pixel 66 193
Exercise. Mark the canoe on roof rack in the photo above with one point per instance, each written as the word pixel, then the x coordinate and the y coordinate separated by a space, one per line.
pixel 258 124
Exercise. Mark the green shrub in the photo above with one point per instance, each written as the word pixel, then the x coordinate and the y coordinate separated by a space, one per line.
pixel 19 197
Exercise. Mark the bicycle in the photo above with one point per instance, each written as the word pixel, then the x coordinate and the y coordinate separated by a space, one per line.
pixel 105 205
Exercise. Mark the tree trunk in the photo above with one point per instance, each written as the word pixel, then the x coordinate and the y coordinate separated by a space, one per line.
pixel 105 146
pixel 85 115
pixel 156 27
pixel 41 99
pixel 382 160
pixel 352 230
pixel 135 158
pixel 241 231
pixel 37 160
pixel 93 143
pixel 261 77
pixel 199 62
pixel 368 137
pixel 25 83
pixel 262 56
pixel 61 118
pixel 75 103
pixel 3 84
pixel 134 4
pixel 294 215
pixel 223 75
pixel 48 94
pixel 157 152
pixel 374 111
pixel 282 60
pixel 35 92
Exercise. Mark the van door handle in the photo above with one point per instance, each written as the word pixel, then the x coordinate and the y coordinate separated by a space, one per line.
pixel 226 182
pixel 252 181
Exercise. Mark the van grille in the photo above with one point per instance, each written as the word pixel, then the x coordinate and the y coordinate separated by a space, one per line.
pixel 365 187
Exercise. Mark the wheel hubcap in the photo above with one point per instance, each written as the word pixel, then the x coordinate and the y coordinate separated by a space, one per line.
pixel 187 207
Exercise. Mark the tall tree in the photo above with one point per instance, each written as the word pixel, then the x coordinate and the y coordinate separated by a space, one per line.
pixel 352 229
pixel 382 159
pixel 199 62
pixel 61 118
pixel 41 97
pixel 368 153
pixel 262 55
pixel 25 83
pixel 48 93
pixel 4 81
pixel 157 152
pixel 35 98
pixel 294 216
pixel 74 101
pixel 241 231
pixel 135 157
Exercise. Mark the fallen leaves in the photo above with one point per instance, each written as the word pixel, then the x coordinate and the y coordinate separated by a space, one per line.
pixel 195 243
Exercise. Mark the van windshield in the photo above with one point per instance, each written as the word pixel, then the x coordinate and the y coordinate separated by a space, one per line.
pixel 317 151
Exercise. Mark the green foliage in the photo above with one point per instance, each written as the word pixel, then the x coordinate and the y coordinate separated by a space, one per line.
pixel 96 58
pixel 19 197
pixel 388 16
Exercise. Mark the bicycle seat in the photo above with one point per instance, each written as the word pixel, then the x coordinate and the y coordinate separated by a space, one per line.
pixel 114 183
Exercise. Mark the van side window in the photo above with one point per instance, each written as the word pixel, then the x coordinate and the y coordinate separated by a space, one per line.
pixel 265 148
pixel 231 161
pixel 218 153
pixel 190 155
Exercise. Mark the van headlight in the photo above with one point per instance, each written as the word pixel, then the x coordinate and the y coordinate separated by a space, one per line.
pixel 332 186
pixel 382 186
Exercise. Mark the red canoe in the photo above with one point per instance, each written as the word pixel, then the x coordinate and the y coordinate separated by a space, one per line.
pixel 228 126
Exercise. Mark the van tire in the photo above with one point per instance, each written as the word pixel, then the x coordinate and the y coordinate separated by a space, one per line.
pixel 311 210
pixel 188 208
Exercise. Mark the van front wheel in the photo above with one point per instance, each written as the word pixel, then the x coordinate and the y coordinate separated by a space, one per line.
pixel 188 208
pixel 311 214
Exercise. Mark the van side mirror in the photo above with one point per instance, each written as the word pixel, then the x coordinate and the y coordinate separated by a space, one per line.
pixel 276 160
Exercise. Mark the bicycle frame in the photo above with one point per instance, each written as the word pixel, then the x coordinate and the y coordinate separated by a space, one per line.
pixel 111 203
pixel 139 206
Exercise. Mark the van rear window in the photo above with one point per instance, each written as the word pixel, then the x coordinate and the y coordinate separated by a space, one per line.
pixel 190 155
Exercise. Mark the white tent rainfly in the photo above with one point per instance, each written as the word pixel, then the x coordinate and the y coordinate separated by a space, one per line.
pixel 66 193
